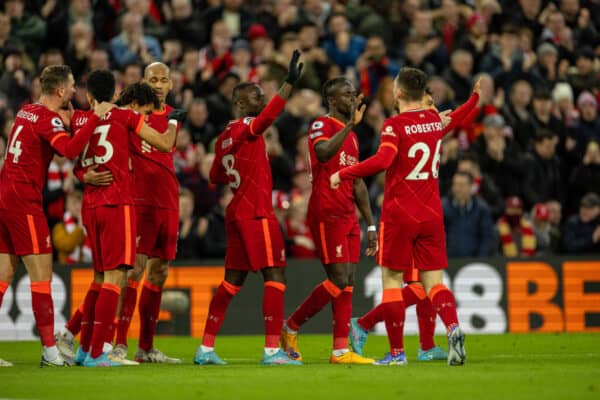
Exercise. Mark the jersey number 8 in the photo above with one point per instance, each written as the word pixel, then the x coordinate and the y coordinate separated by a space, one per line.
pixel 228 163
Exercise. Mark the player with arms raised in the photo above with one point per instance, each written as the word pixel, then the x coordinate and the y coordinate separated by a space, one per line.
pixel 333 221
pixel 37 134
pixel 254 239
pixel 411 226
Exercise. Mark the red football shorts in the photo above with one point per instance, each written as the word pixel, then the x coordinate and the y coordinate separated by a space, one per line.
pixel 157 229
pixel 24 234
pixel 112 233
pixel 337 240
pixel 403 246
pixel 254 244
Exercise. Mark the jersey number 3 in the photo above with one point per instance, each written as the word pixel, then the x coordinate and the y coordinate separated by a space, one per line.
pixel 102 142
pixel 228 163
pixel 417 174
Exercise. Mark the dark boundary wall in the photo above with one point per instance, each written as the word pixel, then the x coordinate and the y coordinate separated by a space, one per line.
pixel 494 295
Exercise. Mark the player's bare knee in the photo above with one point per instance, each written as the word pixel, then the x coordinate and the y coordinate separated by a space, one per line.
pixel 339 280
pixel 158 273
pixel 274 275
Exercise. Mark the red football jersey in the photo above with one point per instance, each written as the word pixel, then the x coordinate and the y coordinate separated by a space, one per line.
pixel 241 161
pixel 110 149
pixel 155 182
pixel 324 201
pixel 28 154
pixel 411 182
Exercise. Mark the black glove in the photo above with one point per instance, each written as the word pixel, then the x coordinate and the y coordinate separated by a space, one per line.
pixel 295 69
pixel 177 114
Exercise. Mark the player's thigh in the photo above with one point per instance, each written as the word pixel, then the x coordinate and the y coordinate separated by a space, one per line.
pixel 39 266
pixel 147 230
pixel 117 233
pixel 391 279
pixel 354 243
pixel 396 245
pixel 8 266
pixel 166 243
pixel 24 234
pixel 235 252
pixel 158 270
pixel 116 276
pixel 431 278
pixel 429 250
pixel 338 273
pixel 137 273
pixel 263 243
pixel 332 241
pixel 93 234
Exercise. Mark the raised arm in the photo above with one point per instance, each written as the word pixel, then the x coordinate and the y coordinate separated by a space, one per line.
pixel 372 165
pixel 163 142
pixel 272 110
pixel 327 148
pixel 461 112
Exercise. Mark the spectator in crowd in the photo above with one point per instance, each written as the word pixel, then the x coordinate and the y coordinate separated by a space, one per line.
pixel 517 236
pixel 468 221
pixel 5 29
pixel 200 128
pixel 300 241
pixel 585 178
pixel 543 119
pixel 28 28
pixel 80 47
pixel 543 171
pixel 460 74
pixel 517 115
pixel 505 63
pixel 172 52
pixel 483 186
pixel 422 29
pixel 260 43
pixel 373 65
pixel 236 18
pixel 582 231
pixel 68 236
pixel 132 73
pixel 584 76
pixel 241 56
pixel 476 40
pixel 211 228
pixel 414 54
pixel 282 166
pixel 564 105
pixel 14 80
pixel 588 126
pixel 369 128
pixel 342 47
pixel 152 21
pixel 546 71
pixel 442 93
pixel 132 45
pixel 185 23
pixel 60 181
pixel 219 103
pixel 500 157
pixel 188 245
pixel 545 239
pixel 308 37
pixel 555 220
pixel 186 155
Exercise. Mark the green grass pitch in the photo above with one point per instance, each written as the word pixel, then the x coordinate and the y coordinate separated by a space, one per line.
pixel 536 366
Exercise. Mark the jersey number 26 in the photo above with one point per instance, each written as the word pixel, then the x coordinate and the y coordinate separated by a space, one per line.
pixel 417 174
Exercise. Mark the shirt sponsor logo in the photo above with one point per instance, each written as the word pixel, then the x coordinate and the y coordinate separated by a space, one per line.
pixel 227 143
pixel 423 128
pixel 31 117
pixel 81 121
pixel 347 160
pixel 388 131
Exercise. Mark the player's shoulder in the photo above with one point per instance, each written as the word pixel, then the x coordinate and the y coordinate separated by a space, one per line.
pixel 319 127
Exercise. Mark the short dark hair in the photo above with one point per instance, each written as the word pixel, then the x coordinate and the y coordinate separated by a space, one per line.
pixel 465 174
pixel 543 134
pixel 331 86
pixel 240 87
pixel 101 85
pixel 53 76
pixel 413 82
pixel 139 92
pixel 470 157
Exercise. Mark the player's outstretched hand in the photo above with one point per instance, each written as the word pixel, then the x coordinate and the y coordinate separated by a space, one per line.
pixel 334 180
pixel 373 246
pixel 477 87
pixel 91 177
pixel 178 115
pixel 295 68
pixel 102 108
pixel 445 117
pixel 359 110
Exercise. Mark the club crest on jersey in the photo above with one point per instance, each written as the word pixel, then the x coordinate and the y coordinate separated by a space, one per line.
pixel 338 251
pixel 347 160
pixel 48 242
pixel 388 131
pixel 282 258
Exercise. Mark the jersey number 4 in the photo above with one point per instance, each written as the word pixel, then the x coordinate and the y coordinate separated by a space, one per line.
pixel 417 174
pixel 14 147
pixel 102 142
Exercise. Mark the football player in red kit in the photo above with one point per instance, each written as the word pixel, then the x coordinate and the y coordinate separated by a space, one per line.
pixel 254 239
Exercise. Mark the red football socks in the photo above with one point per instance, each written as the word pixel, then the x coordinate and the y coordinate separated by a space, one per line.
pixel 216 311
pixel 149 309
pixel 104 315
pixel 371 318
pixel 272 308
pixel 73 325
pixel 87 317
pixel 394 315
pixel 426 316
pixel 342 312
pixel 318 298
pixel 127 309
pixel 445 305
pixel 43 310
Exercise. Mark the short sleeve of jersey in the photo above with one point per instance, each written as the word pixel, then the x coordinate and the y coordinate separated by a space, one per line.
pixel 390 134
pixel 134 121
pixel 52 129
pixel 318 131
pixel 243 128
